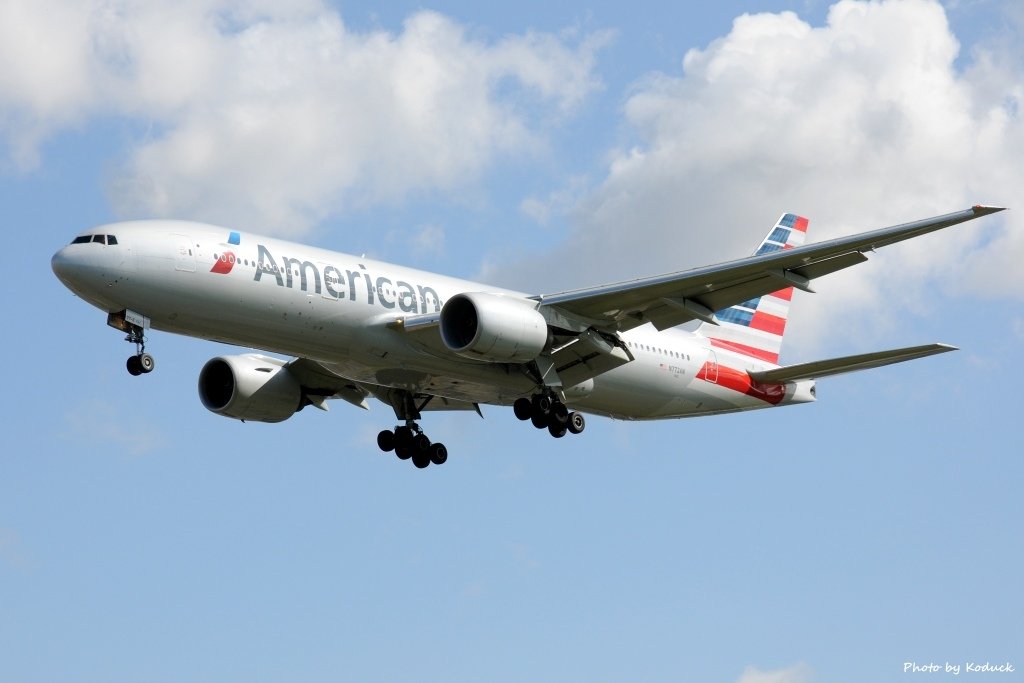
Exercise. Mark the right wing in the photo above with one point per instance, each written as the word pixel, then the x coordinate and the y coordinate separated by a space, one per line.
pixel 672 299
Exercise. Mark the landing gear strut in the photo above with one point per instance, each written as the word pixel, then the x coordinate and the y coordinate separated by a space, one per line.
pixel 545 411
pixel 141 363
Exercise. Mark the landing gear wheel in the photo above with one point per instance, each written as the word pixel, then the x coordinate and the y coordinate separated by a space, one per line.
pixel 420 443
pixel 403 436
pixel 541 403
pixel 559 414
pixel 134 366
pixel 540 420
pixel 421 459
pixel 403 452
pixel 523 408
pixel 146 363
pixel 557 431
pixel 576 423
pixel 386 440
pixel 438 454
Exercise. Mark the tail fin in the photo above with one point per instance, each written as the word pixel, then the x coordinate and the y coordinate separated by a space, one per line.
pixel 755 327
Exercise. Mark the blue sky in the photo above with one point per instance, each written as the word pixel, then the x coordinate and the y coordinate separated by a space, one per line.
pixel 540 146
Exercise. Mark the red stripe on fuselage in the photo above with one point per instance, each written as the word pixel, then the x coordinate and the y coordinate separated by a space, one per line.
pixel 740 381
pixel 745 350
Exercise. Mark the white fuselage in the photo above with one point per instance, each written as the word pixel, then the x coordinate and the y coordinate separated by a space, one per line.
pixel 260 292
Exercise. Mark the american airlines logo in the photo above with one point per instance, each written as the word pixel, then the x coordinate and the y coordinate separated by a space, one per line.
pixel 224 263
pixel 332 282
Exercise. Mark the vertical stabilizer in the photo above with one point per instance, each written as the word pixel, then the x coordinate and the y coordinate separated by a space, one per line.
pixel 755 327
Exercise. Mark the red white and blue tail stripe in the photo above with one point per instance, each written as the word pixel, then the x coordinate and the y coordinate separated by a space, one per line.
pixel 755 327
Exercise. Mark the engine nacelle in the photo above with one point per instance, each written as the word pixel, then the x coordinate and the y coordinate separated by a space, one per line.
pixel 249 387
pixel 493 328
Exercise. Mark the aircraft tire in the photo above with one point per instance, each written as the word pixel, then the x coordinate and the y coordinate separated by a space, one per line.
pixel 386 440
pixel 540 421
pixel 420 443
pixel 438 454
pixel 576 423
pixel 403 436
pixel 134 366
pixel 146 363
pixel 559 414
pixel 421 459
pixel 523 408
pixel 403 452
pixel 557 431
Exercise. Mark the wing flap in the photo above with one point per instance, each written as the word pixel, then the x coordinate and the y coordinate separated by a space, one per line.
pixel 586 357
pixel 318 383
pixel 838 366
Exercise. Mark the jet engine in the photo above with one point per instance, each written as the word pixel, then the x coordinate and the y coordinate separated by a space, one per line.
pixel 493 328
pixel 249 387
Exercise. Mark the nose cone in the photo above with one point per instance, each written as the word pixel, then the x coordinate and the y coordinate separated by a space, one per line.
pixel 65 267
pixel 76 266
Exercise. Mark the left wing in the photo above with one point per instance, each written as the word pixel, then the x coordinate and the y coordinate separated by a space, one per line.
pixel 320 383
pixel 672 299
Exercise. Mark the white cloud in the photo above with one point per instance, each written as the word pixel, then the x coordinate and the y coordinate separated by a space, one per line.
pixel 861 123
pixel 274 115
pixel 799 673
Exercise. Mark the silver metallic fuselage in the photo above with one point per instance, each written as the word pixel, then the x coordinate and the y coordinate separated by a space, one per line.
pixel 340 310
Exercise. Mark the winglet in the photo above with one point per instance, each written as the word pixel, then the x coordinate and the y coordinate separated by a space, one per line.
pixel 982 210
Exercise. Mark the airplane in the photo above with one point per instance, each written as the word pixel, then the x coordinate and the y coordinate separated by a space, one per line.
pixel 357 328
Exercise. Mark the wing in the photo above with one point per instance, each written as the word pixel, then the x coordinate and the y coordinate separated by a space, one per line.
pixel 320 383
pixel 675 298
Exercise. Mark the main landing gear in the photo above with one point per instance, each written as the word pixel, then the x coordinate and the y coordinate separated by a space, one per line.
pixel 409 442
pixel 545 411
pixel 141 363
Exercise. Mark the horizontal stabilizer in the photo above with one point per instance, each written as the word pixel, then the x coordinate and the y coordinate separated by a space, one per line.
pixel 837 366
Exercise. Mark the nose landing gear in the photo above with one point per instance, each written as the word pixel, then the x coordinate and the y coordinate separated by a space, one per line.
pixel 135 325
pixel 141 363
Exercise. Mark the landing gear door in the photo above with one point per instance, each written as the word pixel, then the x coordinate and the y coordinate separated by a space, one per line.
pixel 184 254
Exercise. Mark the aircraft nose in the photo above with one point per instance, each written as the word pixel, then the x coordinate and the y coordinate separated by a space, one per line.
pixel 63 266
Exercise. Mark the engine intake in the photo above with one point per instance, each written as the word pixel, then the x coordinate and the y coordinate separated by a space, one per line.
pixel 493 327
pixel 249 387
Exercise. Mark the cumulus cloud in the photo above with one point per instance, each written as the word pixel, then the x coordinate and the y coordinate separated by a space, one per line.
pixel 861 123
pixel 275 115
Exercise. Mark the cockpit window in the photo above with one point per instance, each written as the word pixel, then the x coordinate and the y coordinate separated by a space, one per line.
pixel 111 239
pixel 82 239
pixel 99 238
